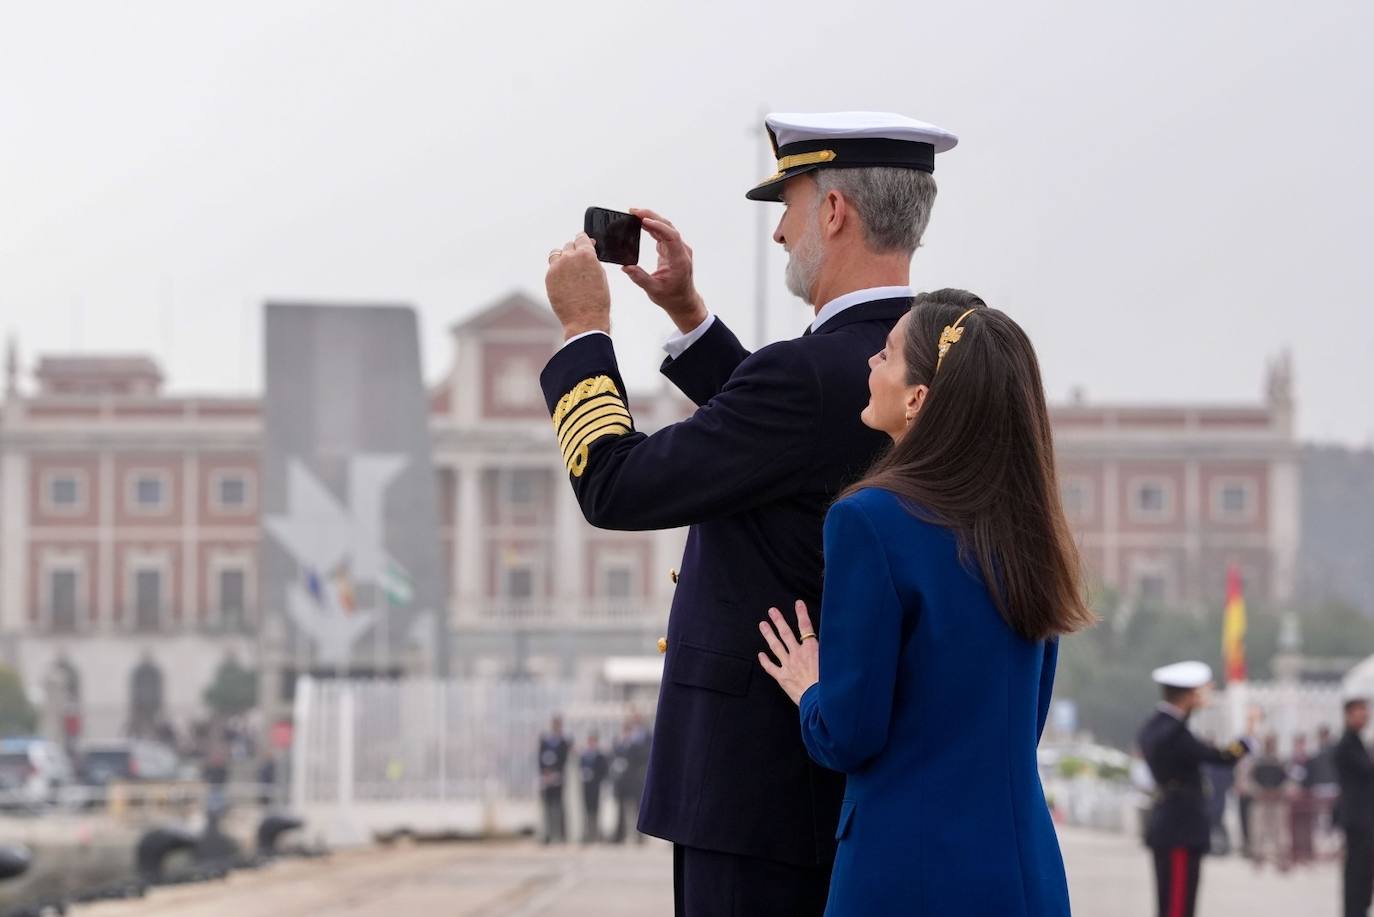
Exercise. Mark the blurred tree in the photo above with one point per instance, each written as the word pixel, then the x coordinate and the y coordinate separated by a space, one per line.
pixel 1336 628
pixel 17 715
pixel 1106 669
pixel 234 690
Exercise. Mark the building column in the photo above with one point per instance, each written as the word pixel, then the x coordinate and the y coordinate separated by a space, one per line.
pixel 1192 590
pixel 105 575
pixel 14 566
pixel 467 579
pixel 190 545
pixel 570 532
pixel 1111 534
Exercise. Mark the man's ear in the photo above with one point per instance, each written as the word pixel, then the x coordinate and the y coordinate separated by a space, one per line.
pixel 834 213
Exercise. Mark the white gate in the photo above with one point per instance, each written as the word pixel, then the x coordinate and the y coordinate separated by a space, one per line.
pixel 1290 709
pixel 429 756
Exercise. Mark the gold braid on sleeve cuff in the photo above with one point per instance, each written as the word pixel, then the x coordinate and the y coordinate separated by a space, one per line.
pixel 592 409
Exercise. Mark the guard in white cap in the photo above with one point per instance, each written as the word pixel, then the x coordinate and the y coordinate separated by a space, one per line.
pixel 1179 830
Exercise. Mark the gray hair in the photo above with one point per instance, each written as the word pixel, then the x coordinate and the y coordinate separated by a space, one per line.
pixel 894 204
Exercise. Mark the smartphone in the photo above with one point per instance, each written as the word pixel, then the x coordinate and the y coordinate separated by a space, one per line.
pixel 616 234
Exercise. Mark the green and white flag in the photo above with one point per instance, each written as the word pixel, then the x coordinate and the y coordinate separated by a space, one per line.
pixel 396 584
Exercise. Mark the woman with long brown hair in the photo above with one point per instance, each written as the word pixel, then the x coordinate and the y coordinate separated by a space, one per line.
pixel 950 574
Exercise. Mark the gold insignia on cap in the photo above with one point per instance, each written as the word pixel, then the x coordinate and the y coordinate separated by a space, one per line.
pixel 592 409
pixel 798 160
pixel 806 159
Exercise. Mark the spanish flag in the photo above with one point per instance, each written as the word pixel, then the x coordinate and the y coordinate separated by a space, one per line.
pixel 1233 628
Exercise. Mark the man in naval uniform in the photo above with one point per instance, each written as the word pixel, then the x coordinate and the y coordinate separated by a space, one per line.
pixel 776 435
pixel 1179 831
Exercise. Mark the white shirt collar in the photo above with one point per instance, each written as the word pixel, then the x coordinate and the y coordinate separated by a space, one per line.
pixel 872 294
pixel 1165 707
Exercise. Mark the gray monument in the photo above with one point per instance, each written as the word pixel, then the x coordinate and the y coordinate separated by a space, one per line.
pixel 351 575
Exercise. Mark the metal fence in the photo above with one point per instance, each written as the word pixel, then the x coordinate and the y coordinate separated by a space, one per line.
pixel 432 755
pixel 1290 709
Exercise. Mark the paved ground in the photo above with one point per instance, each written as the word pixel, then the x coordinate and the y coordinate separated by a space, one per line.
pixel 1109 877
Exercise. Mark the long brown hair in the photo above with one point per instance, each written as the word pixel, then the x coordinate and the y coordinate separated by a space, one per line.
pixel 979 459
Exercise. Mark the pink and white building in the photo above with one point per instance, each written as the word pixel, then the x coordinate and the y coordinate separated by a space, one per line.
pixel 129 519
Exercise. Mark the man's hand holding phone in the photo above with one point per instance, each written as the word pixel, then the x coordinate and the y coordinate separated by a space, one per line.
pixel 670 286
pixel 577 288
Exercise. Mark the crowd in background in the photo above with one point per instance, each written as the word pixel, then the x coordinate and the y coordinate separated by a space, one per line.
pixel 623 765
pixel 1287 805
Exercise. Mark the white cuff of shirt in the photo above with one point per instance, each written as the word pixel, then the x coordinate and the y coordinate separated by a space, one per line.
pixel 578 337
pixel 677 345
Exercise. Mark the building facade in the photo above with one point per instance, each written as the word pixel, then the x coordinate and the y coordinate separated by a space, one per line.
pixel 1165 498
pixel 129 523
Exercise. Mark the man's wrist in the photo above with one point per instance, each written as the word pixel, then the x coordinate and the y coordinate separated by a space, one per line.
pixel 690 315
pixel 572 331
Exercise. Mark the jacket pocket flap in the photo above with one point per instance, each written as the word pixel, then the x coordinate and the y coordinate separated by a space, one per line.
pixel 846 817
pixel 703 668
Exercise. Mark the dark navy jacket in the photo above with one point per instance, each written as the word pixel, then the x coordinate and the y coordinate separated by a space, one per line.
pixel 776 436
pixel 1176 757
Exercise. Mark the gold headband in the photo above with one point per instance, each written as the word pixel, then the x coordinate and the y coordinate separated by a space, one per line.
pixel 949 337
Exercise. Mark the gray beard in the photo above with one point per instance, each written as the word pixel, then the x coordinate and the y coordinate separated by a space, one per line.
pixel 803 264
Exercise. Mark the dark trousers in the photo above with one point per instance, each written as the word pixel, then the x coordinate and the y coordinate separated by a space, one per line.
pixel 1177 870
pixel 555 822
pixel 1359 870
pixel 591 813
pixel 1245 802
pixel 626 819
pixel 707 883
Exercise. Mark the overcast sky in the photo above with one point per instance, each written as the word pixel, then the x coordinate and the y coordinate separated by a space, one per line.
pixel 1166 195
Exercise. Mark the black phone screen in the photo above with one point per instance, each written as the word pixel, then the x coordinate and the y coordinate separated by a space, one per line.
pixel 616 235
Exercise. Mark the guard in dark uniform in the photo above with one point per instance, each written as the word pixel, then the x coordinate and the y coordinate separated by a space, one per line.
pixel 776 436
pixel 1179 829
pixel 554 748
pixel 629 768
pixel 592 766
pixel 1355 770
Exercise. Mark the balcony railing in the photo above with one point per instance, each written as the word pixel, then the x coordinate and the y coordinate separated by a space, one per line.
pixel 628 611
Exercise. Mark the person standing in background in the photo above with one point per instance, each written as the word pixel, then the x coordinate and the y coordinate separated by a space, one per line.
pixel 1220 779
pixel 629 766
pixel 593 766
pixel 1302 809
pixel 1270 776
pixel 1179 829
pixel 1326 789
pixel 1245 806
pixel 554 749
pixel 1355 770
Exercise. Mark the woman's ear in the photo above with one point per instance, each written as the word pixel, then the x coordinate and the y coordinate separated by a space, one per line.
pixel 915 400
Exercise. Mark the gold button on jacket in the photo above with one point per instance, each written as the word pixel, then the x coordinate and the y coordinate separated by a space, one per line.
pixel 663 644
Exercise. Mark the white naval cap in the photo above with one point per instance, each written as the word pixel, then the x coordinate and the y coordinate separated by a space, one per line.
pixel 804 142
pixel 1183 675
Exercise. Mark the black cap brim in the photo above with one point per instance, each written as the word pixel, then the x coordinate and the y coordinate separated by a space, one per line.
pixel 770 189
pixel 810 155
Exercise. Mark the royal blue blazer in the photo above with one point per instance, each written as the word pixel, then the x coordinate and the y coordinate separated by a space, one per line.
pixel 932 707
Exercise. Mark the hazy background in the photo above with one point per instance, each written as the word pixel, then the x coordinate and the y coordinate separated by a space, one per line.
pixel 1165 195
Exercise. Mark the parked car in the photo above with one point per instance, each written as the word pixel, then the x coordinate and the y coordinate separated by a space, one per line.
pixel 33 772
pixel 127 759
